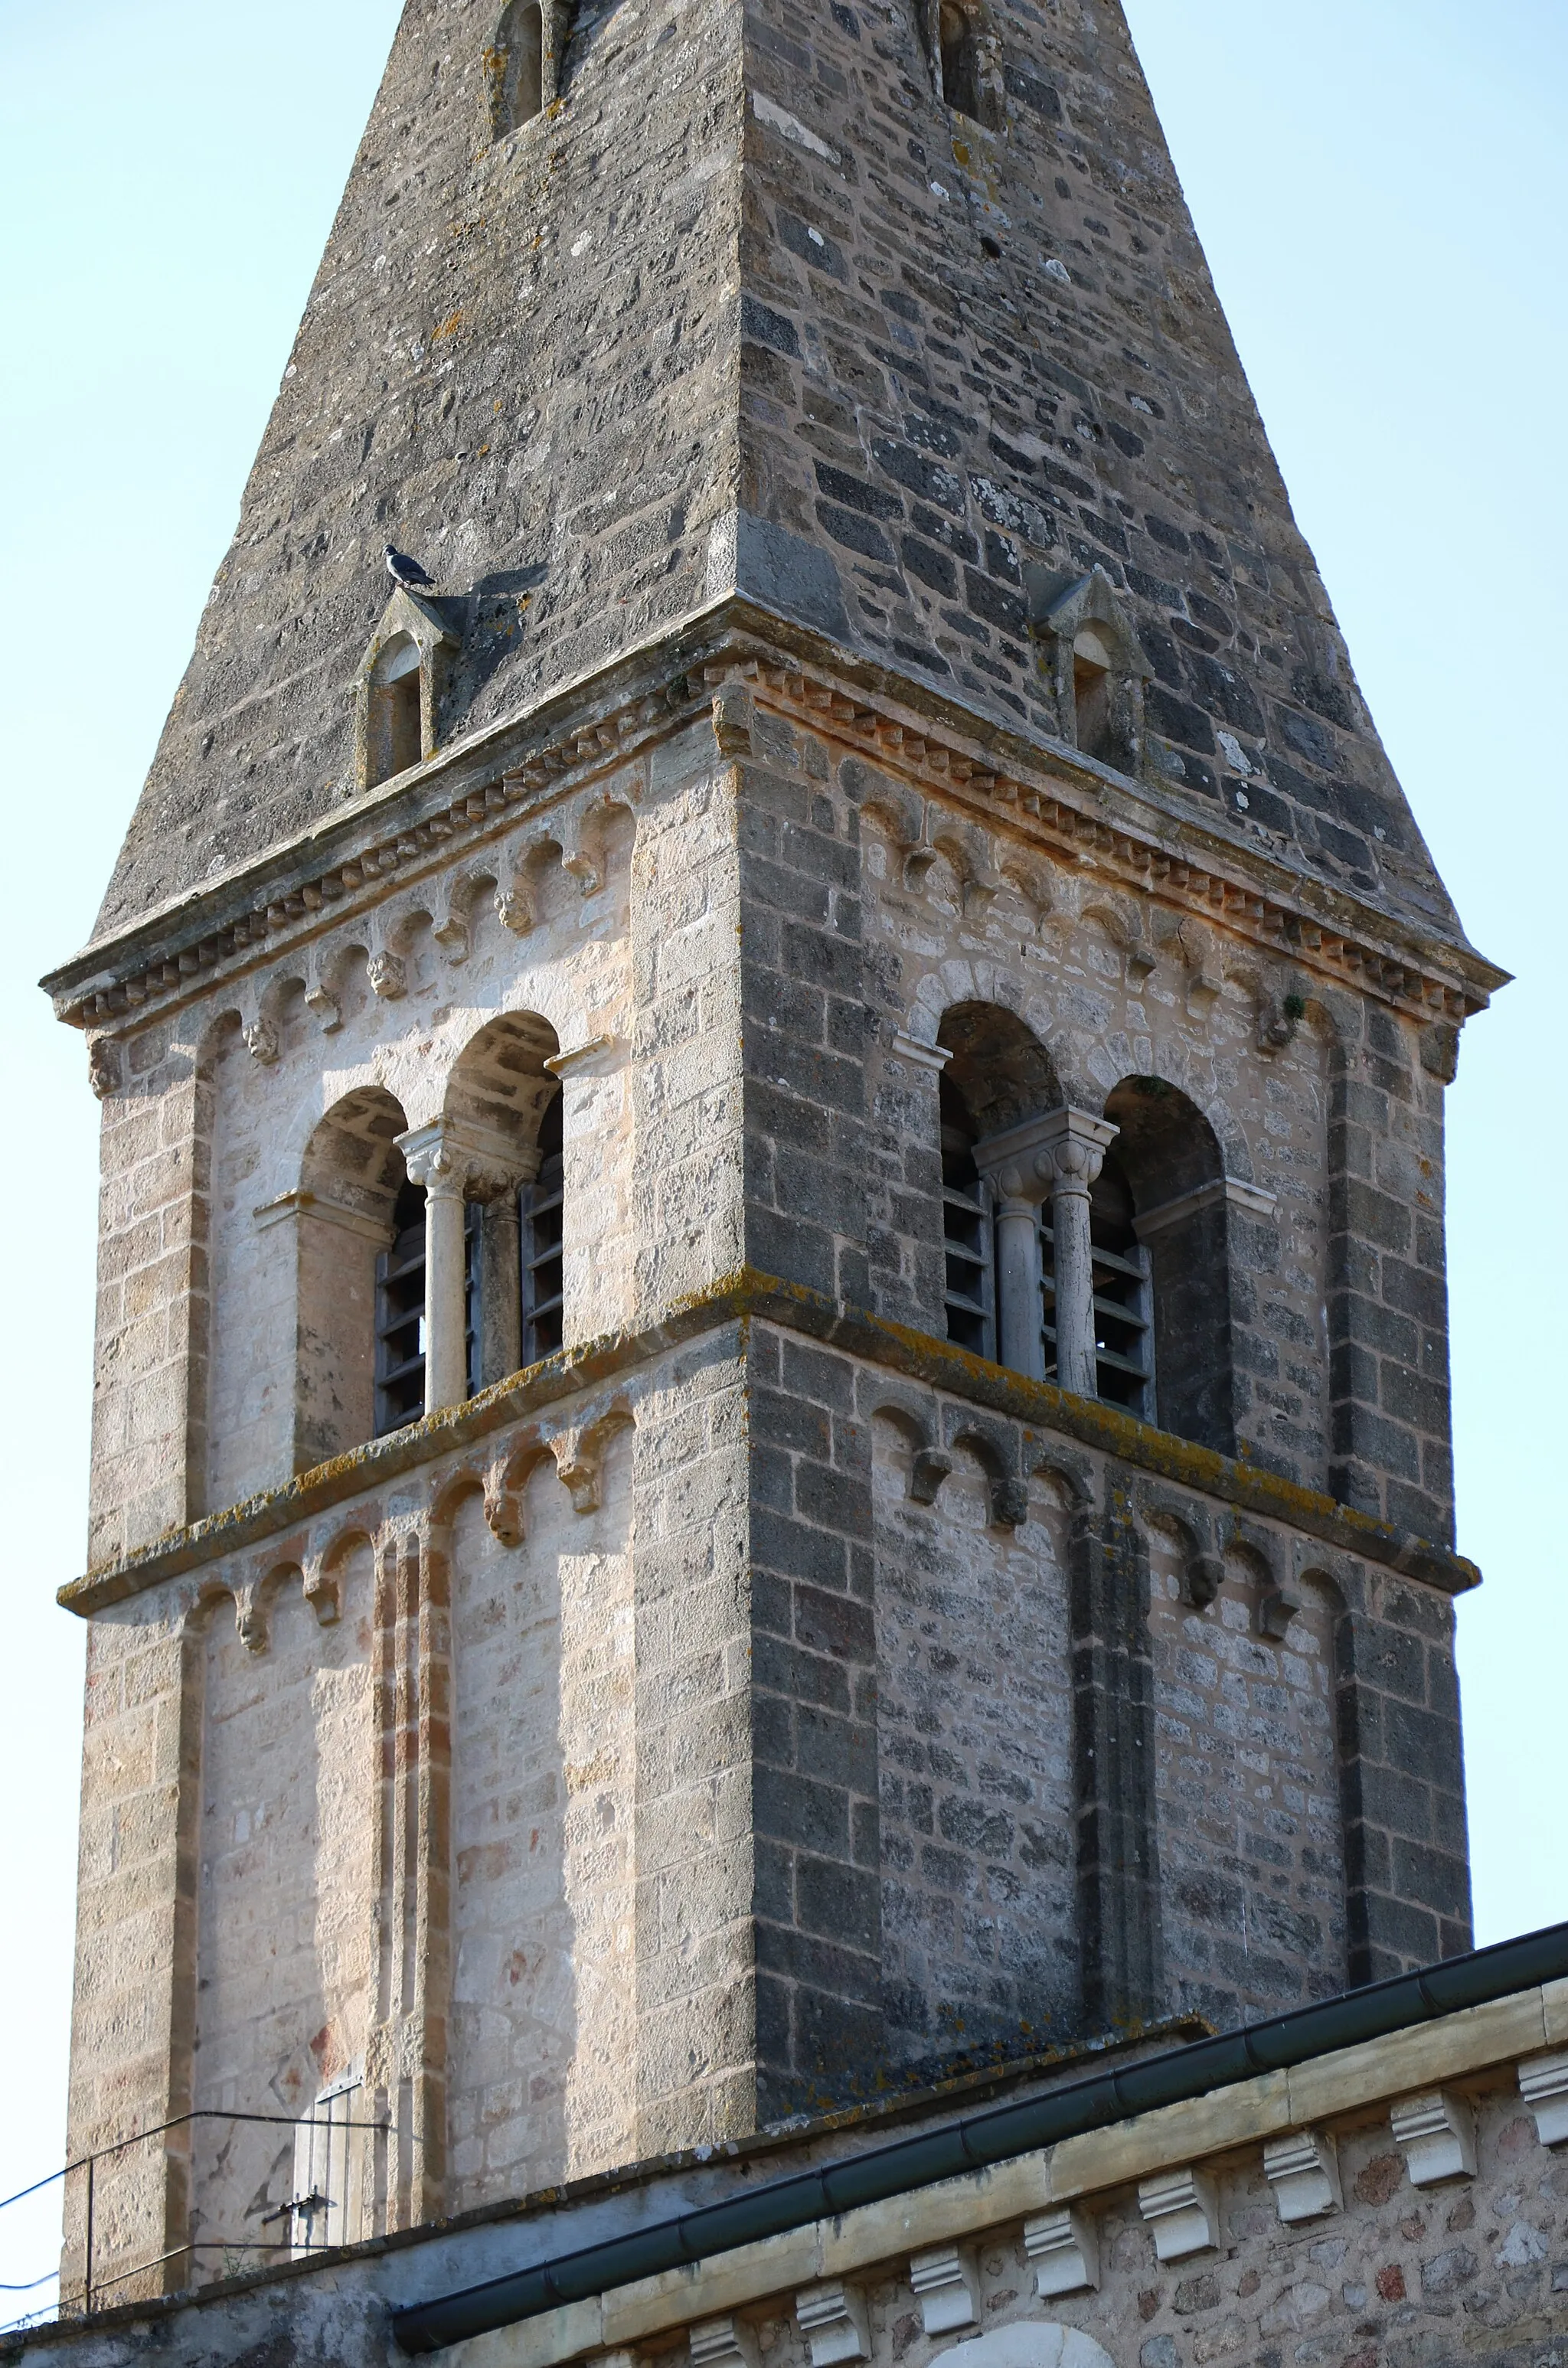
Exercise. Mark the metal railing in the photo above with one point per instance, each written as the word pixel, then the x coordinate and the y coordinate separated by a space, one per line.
pixel 305 2211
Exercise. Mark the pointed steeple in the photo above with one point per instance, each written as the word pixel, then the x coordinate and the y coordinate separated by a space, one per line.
pixel 902 334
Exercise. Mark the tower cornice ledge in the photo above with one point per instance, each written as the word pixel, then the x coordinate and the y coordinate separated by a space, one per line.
pixel 1041 790
pixel 744 1297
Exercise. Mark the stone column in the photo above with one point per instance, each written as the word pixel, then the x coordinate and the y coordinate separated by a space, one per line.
pixel 501 1295
pixel 1076 1150
pixel 1061 1154
pixel 454 1159
pixel 443 1172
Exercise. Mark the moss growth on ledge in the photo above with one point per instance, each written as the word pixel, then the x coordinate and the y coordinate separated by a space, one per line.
pixel 738 1298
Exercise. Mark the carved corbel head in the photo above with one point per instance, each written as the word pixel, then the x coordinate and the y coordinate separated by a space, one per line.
pixel 103 1066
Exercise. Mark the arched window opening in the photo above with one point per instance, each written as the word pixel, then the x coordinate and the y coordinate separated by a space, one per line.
pixel 1092 667
pixel 359 1224
pixel 968 1231
pixel 1124 1314
pixel 400 1317
pixel 960 60
pixel 503 1119
pixel 395 731
pixel 542 1211
pixel 1168 1163
pixel 998 1075
pixel 516 62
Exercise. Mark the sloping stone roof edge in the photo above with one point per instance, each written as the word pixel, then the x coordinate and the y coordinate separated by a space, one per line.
pixel 646 696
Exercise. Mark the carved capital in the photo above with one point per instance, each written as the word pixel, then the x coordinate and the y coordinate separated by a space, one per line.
pixel 456 1157
pixel 1063 1150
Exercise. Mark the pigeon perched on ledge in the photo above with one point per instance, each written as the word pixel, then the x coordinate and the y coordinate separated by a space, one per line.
pixel 407 571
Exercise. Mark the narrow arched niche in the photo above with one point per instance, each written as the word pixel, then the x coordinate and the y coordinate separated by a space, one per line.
pixel 959 60
pixel 509 1104
pixel 394 734
pixel 1093 664
pixel 516 66
pixel 361 1281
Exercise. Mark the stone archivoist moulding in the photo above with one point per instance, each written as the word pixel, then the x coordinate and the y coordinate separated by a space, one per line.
pixel 1436 2136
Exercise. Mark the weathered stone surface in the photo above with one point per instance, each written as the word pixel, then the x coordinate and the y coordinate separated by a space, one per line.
pixel 874 700
pixel 748 306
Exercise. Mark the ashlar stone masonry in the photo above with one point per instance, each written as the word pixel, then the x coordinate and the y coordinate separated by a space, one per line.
pixel 771 1411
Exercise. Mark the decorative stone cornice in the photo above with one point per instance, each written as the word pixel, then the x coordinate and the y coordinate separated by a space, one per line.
pixel 738 1298
pixel 1077 810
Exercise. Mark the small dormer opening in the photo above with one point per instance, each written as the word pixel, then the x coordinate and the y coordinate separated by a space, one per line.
pixel 518 65
pixel 396 736
pixel 1092 665
pixel 960 60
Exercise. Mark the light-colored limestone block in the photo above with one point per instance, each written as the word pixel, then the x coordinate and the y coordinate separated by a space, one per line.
pixel 1182 2208
pixel 1543 2085
pixel 722 2343
pixel 1435 2134
pixel 832 2317
pixel 944 2285
pixel 1065 2248
pixel 1303 2171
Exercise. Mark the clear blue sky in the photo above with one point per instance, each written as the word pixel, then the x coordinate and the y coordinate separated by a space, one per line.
pixel 1380 186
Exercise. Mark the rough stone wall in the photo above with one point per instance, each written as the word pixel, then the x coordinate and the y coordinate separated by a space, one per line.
pixel 975 1733
pixel 818 1899
pixel 843 1168
pixel 686 1111
pixel 1388 1296
pixel 517 361
pixel 150 1373
pixel 136 1883
pixel 284 1897
pixel 1189 1811
pixel 543 1809
pixel 696 1963
pixel 204 1397
pixel 1402 2257
pixel 1407 1845
pixel 969 351
pixel 1251 1836
pixel 466 1817
pixel 1473 2269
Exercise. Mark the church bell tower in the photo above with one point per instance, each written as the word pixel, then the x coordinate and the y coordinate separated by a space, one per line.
pixel 771 1402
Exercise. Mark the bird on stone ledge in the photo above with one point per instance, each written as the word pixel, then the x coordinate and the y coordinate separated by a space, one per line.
pixel 407 571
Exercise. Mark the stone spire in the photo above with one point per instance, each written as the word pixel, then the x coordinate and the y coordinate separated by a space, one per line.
pixel 747 308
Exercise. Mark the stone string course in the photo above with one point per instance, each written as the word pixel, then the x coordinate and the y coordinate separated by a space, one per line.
pixel 103 988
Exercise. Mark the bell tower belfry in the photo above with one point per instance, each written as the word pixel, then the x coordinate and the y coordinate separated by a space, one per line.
pixel 772 1394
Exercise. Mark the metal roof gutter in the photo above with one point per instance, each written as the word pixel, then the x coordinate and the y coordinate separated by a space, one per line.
pixel 996 2134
